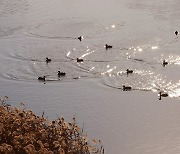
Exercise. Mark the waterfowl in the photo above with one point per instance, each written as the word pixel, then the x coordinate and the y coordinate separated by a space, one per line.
pixel 176 32
pixel 80 38
pixel 108 46
pixel 164 63
pixel 61 73
pixel 129 71
pixel 48 60
pixel 42 78
pixel 126 88
pixel 162 95
pixel 79 60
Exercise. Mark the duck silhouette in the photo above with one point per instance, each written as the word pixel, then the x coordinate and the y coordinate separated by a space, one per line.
pixel 48 60
pixel 126 88
pixel 79 60
pixel 164 63
pixel 176 33
pixel 61 73
pixel 129 71
pixel 162 95
pixel 42 78
pixel 108 46
pixel 80 38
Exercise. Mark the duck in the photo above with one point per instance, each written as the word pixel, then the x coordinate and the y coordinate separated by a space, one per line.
pixel 42 78
pixel 164 63
pixel 80 38
pixel 126 88
pixel 79 60
pixel 61 73
pixel 48 60
pixel 108 46
pixel 129 71
pixel 162 95
pixel 176 32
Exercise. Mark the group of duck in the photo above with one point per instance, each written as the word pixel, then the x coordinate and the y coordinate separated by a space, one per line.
pixel 59 73
pixel 128 88
pixel 164 61
pixel 124 88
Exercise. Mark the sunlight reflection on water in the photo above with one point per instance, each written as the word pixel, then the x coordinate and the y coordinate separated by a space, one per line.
pixel 141 79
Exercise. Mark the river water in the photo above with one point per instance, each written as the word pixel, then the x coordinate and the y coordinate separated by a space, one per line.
pixel 142 36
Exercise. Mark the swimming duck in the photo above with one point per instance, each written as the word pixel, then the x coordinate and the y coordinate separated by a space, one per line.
pixel 108 46
pixel 42 78
pixel 80 38
pixel 48 60
pixel 126 88
pixel 176 32
pixel 129 71
pixel 164 63
pixel 61 73
pixel 162 95
pixel 79 60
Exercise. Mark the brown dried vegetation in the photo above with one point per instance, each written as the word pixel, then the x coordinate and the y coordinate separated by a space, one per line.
pixel 23 132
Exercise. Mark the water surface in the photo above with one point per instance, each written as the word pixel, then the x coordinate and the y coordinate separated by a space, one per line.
pixel 142 36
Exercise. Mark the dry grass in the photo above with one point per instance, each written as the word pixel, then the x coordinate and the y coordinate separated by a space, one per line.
pixel 23 132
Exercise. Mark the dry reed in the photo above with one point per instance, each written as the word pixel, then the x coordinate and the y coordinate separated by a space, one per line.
pixel 23 132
